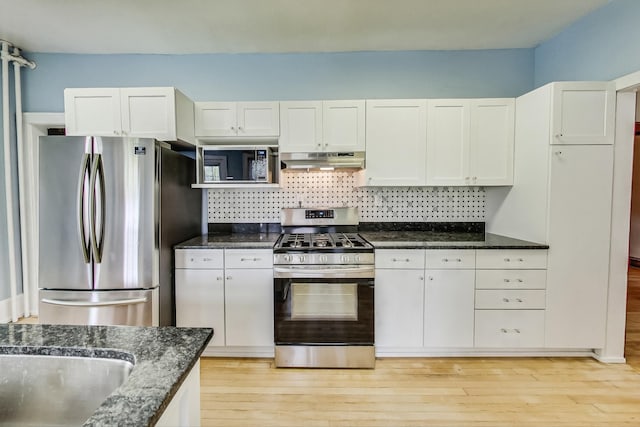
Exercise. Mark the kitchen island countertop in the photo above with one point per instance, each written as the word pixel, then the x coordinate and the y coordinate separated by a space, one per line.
pixel 162 358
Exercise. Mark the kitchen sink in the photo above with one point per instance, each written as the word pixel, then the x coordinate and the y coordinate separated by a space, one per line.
pixel 37 390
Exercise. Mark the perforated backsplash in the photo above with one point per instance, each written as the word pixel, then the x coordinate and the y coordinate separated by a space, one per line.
pixel 331 189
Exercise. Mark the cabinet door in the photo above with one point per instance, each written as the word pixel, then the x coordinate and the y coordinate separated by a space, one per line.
pixel 200 301
pixel 249 307
pixel 149 112
pixel 92 111
pixel 583 113
pixel 578 259
pixel 492 140
pixel 258 119
pixel 215 119
pixel 343 126
pixel 396 142
pixel 449 308
pixel 399 296
pixel 300 126
pixel 448 142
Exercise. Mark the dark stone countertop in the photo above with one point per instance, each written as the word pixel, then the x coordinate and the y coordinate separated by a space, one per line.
pixel 162 357
pixel 445 240
pixel 379 239
pixel 231 241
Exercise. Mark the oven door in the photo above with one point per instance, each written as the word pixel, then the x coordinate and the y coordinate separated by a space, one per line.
pixel 323 310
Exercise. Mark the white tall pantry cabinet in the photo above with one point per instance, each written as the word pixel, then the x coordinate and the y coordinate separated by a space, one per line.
pixel 562 196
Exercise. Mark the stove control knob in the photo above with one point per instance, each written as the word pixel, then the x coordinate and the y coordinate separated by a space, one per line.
pixel 344 259
pixel 357 258
pixel 287 258
pixel 323 258
pixel 301 259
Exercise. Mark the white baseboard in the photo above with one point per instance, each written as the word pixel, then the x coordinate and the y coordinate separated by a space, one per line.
pixel 5 308
pixel 609 359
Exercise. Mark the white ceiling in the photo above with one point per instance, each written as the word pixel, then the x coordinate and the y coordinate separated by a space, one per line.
pixel 238 26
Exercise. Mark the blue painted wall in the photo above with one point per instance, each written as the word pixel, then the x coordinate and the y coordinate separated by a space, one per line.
pixel 604 45
pixel 412 74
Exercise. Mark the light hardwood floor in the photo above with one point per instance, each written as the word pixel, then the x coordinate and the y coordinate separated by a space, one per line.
pixel 483 392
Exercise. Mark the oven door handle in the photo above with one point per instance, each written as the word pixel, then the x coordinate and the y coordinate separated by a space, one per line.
pixel 338 272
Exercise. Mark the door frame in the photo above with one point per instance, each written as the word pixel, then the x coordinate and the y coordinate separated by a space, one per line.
pixel 35 125
pixel 626 87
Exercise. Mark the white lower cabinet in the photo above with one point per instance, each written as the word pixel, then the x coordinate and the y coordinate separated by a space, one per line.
pixel 448 308
pixel 510 298
pixel 229 290
pixel 509 328
pixel 399 299
pixel 249 307
pixel 435 300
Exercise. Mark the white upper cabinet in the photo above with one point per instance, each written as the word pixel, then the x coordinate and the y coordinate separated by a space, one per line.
pixel 470 142
pixel 237 119
pixel 396 142
pixel 301 126
pixel 322 126
pixel 583 113
pixel 448 142
pixel 163 113
pixel 343 126
pixel 492 140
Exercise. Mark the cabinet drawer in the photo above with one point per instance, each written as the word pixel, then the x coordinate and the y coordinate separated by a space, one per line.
pixel 510 259
pixel 509 328
pixel 439 259
pixel 242 258
pixel 510 299
pixel 199 258
pixel 511 279
pixel 399 258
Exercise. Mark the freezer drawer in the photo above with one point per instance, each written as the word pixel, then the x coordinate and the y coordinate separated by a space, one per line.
pixel 131 308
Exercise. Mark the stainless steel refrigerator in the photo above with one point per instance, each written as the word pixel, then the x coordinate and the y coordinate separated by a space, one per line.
pixel 109 212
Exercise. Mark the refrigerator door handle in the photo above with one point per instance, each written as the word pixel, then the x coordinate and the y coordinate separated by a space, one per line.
pixel 97 203
pixel 71 303
pixel 82 199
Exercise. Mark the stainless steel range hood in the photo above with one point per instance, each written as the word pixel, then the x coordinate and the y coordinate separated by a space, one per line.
pixel 328 161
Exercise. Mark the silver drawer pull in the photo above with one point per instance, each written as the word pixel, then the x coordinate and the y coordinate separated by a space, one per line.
pixel 520 260
pixel 505 299
pixel 520 280
pixel 518 300
pixel 506 331
pixel 400 260
pixel 507 280
pixel 517 331
pixel 249 259
pixel 507 260
pixel 452 259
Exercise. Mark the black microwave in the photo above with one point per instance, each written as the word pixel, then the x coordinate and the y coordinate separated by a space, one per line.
pixel 239 164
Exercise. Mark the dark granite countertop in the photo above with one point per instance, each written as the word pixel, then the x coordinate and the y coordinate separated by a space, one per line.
pixel 231 241
pixel 162 359
pixel 379 239
pixel 445 240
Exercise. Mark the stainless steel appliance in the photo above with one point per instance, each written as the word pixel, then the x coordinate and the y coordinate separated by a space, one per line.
pixel 323 291
pixel 323 160
pixel 238 164
pixel 109 212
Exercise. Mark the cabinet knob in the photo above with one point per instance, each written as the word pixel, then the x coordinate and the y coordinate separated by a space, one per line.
pixel 239 128
pixel 518 300
pixel 505 299
pixel 228 277
pixel 218 278
pixel 507 260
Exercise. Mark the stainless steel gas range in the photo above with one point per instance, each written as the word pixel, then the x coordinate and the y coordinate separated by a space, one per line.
pixel 324 290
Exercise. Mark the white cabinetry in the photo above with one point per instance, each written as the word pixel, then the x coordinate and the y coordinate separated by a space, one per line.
pixel 399 299
pixel 449 298
pixel 231 291
pixel 238 120
pixel 470 142
pixel 583 113
pixel 163 113
pixel 322 126
pixel 184 407
pixel 199 278
pixel 562 196
pixel 396 142
pixel 510 298
pixel 249 297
